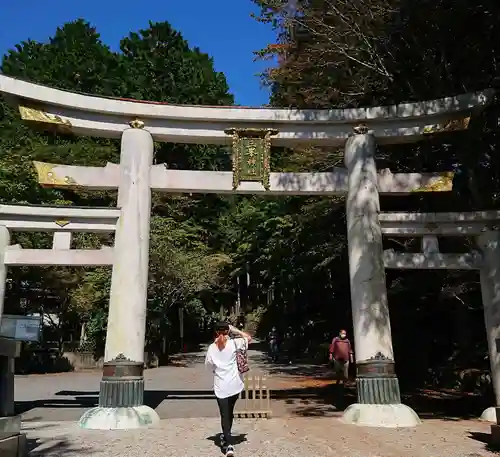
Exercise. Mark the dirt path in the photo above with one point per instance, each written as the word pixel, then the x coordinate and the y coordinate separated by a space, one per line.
pixel 305 421
pixel 262 438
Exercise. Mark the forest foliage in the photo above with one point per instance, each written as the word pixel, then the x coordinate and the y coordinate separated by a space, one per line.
pixel 292 250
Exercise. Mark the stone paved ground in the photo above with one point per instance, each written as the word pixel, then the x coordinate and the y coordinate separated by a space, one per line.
pixel 302 424
pixel 181 391
pixel 292 437
pixel 174 391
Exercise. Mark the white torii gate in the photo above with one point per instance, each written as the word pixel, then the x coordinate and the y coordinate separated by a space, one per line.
pixel 484 226
pixel 62 222
pixel 138 124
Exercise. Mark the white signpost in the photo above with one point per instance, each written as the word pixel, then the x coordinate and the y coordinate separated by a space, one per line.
pixel 20 328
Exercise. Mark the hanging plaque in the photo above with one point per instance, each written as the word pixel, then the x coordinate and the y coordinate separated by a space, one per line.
pixel 251 155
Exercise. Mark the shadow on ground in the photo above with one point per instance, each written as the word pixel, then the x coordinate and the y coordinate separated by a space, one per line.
pixel 429 404
pixel 301 401
pixel 302 369
pixel 316 391
pixel 40 448
pixel 322 399
pixel 445 404
pixel 301 389
pixel 484 438
pixel 237 439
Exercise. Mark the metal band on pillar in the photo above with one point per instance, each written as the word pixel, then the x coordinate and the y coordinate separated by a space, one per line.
pixel 376 381
pixel 122 383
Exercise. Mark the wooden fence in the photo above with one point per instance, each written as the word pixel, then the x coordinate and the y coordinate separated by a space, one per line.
pixel 255 400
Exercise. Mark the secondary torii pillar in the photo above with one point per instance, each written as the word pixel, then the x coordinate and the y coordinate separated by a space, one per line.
pixel 379 401
pixel 489 243
pixel 121 404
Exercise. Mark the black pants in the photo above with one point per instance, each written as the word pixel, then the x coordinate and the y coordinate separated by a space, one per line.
pixel 226 408
pixel 341 368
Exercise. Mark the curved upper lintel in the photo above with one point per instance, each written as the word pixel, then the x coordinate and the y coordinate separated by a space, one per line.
pixel 109 117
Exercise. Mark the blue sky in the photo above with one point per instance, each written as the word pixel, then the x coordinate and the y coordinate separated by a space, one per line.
pixel 221 28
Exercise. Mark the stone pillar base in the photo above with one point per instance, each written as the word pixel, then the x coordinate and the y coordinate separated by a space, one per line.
pixel 376 382
pixel 121 392
pixel 495 436
pixel 388 416
pixel 379 399
pixel 10 425
pixel 125 418
pixel 15 446
pixel 121 399
pixel 489 415
pixel 122 384
pixel 12 441
pixel 378 391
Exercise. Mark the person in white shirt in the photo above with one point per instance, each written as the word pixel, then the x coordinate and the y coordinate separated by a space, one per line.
pixel 228 381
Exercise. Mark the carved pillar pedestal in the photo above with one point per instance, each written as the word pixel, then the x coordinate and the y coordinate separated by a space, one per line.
pixel 121 404
pixel 379 401
pixel 376 382
pixel 122 384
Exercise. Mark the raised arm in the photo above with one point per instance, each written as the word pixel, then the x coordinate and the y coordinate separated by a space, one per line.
pixel 208 361
pixel 240 333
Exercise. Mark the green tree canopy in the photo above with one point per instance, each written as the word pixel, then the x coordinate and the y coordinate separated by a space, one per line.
pixel 154 64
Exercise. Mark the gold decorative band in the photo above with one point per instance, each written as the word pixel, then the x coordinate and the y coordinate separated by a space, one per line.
pixel 136 124
pixel 48 177
pixel 441 184
pixel 448 126
pixel 37 115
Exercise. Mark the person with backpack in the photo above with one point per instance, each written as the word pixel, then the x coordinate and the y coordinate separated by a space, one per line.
pixel 341 354
pixel 226 356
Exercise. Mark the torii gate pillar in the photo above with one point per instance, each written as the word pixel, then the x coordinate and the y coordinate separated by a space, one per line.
pixel 121 393
pixel 489 243
pixel 379 402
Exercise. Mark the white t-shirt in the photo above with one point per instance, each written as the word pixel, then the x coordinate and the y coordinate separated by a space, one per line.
pixel 228 381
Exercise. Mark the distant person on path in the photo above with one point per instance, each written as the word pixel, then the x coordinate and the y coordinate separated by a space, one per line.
pixel 341 354
pixel 272 339
pixel 288 342
pixel 228 382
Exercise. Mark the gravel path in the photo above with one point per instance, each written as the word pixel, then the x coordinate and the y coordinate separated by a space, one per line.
pixel 182 396
pixel 275 437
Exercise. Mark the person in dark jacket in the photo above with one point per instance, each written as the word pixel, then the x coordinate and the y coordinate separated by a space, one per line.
pixel 272 339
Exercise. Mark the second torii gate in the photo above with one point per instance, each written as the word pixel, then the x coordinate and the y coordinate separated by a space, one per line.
pixel 484 227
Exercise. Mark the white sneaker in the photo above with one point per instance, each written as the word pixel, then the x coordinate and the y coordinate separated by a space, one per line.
pixel 230 451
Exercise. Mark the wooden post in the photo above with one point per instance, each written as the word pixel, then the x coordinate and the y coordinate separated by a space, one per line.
pixel 257 397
